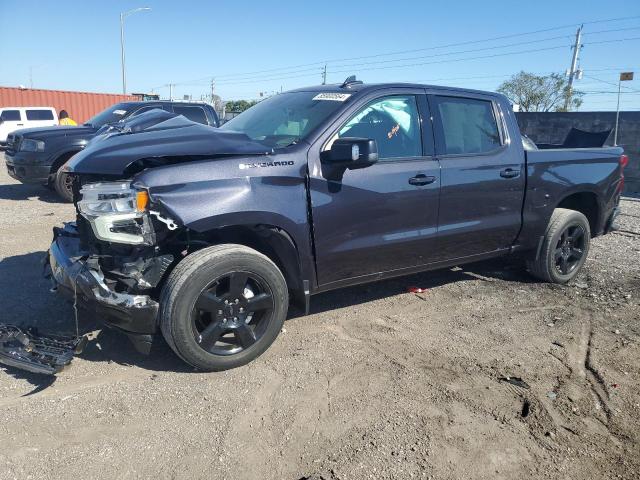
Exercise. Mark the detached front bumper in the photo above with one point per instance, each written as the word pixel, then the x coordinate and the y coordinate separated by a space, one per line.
pixel 77 275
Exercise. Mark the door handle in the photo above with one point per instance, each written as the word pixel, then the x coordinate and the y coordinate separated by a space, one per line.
pixel 422 179
pixel 509 173
pixel 19 124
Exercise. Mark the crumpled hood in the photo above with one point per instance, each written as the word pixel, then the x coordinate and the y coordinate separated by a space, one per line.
pixel 138 143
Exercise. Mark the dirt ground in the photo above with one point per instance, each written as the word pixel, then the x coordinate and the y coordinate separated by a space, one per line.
pixel 376 383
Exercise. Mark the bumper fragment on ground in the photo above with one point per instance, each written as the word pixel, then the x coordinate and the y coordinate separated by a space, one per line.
pixel 26 349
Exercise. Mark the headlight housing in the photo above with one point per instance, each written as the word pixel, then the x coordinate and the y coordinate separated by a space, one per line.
pixel 106 198
pixel 117 212
pixel 30 145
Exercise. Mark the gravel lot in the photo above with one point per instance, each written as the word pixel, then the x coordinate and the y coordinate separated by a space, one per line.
pixel 376 383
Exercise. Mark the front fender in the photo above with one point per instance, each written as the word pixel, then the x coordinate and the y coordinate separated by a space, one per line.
pixel 208 195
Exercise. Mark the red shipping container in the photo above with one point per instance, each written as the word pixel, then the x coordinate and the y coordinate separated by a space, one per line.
pixel 80 106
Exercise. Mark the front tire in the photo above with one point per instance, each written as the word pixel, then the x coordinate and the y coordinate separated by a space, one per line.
pixel 223 306
pixel 63 185
pixel 564 248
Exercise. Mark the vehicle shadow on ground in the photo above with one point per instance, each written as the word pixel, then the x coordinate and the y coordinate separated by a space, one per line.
pixel 26 298
pixel 27 301
pixel 112 346
pixel 20 191
pixel 40 382
pixel 490 270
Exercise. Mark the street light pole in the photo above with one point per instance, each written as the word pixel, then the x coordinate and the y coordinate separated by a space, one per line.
pixel 124 78
pixel 624 77
pixel 122 57
pixel 615 135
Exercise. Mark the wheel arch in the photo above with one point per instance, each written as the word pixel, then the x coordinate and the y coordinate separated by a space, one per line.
pixel 587 202
pixel 273 241
pixel 61 159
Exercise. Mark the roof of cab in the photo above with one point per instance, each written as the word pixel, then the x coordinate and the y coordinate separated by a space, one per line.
pixel 366 87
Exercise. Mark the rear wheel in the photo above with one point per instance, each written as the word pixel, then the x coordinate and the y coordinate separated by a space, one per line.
pixel 564 249
pixel 63 185
pixel 223 306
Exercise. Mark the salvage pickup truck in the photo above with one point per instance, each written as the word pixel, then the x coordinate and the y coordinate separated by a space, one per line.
pixel 207 235
pixel 35 155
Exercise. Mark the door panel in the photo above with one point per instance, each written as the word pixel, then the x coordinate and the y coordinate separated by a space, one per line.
pixel 380 218
pixel 375 220
pixel 483 178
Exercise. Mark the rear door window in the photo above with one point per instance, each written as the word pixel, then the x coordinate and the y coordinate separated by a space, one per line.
pixel 10 115
pixel 465 126
pixel 192 112
pixel 39 115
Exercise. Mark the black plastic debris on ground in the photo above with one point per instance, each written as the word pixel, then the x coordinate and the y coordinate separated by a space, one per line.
pixel 26 349
pixel 517 381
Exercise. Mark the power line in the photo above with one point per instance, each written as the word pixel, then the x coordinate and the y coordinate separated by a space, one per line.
pixel 487 56
pixel 528 42
pixel 350 70
pixel 319 64
pixel 610 83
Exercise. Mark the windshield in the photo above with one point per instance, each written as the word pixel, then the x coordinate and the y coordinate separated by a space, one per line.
pixel 286 118
pixel 110 115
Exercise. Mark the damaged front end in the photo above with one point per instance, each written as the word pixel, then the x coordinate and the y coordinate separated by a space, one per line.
pixel 110 262
pixel 79 274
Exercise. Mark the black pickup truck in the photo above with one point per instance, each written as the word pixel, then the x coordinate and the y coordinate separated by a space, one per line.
pixel 207 235
pixel 35 155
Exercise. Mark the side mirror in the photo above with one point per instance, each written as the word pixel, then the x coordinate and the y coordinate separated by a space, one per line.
pixel 353 153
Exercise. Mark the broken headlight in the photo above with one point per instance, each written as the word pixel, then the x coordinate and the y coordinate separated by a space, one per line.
pixel 117 212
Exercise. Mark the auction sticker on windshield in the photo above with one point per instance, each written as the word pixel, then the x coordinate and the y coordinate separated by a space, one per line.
pixel 336 97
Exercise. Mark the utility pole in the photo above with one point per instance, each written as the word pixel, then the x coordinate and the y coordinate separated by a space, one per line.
pixel 170 92
pixel 324 74
pixel 31 77
pixel 213 90
pixel 572 71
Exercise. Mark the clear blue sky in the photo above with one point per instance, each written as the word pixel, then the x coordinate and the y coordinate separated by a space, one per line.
pixel 75 45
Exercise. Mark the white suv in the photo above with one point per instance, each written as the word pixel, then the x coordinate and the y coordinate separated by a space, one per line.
pixel 15 118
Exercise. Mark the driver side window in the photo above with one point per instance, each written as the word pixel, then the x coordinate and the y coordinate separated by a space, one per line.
pixel 393 122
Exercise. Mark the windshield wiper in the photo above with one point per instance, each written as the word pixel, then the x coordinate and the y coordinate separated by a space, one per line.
pixel 293 142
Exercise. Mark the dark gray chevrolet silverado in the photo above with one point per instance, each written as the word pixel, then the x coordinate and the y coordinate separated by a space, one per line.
pixel 35 155
pixel 207 235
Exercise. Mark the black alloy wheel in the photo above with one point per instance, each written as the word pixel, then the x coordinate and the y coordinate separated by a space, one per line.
pixel 232 313
pixel 564 247
pixel 63 185
pixel 570 249
pixel 223 306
